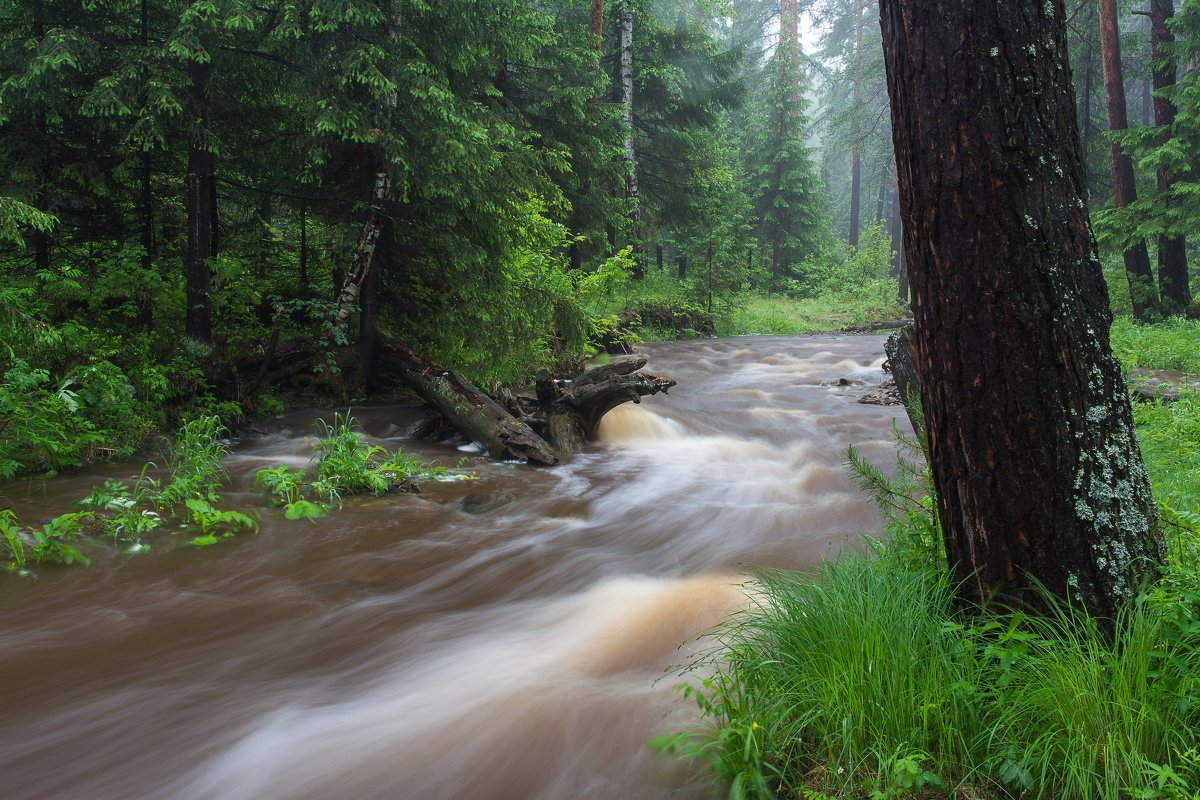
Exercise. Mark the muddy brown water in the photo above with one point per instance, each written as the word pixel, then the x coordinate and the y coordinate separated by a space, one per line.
pixel 507 637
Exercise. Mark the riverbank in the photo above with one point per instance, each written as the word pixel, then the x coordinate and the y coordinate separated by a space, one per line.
pixel 863 681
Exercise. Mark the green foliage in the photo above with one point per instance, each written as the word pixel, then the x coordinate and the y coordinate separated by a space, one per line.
pixel 187 499
pixel 790 222
pixel 1169 433
pixel 863 681
pixel 72 393
pixel 1173 211
pixel 1172 345
pixel 21 548
pixel 343 465
pixel 15 215
pixel 864 277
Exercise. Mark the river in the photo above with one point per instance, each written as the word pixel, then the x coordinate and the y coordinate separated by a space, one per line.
pixel 503 638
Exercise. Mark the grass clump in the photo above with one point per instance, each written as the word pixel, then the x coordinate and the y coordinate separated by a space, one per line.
pixel 1169 432
pixel 343 465
pixel 187 500
pixel 866 680
pixel 1170 345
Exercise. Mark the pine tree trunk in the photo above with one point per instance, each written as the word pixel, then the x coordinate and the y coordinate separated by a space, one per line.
pixel 1142 292
pixel 200 210
pixel 145 210
pixel 1038 474
pixel 631 177
pixel 855 153
pixel 597 25
pixel 1172 252
pixel 794 54
pixel 304 248
pixel 882 197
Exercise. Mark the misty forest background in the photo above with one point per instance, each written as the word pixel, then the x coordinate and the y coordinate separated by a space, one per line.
pixel 184 186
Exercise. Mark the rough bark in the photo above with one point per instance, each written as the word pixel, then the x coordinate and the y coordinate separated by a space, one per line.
pixel 1172 252
pixel 898 349
pixel 895 232
pixel 855 153
pixel 1142 293
pixel 557 421
pixel 1032 448
pixel 468 409
pixel 360 263
pixel 200 208
pixel 631 176
pixel 597 26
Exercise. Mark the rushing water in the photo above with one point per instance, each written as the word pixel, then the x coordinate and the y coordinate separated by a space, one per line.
pixel 506 637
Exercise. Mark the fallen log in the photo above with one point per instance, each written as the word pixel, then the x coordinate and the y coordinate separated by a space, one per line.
pixel 597 396
pixel 469 410
pixel 882 325
pixel 557 421
pixel 568 413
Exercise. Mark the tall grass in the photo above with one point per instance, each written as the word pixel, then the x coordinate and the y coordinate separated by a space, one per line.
pixel 1171 345
pixel 865 680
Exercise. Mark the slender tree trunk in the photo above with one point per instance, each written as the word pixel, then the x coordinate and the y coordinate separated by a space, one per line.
pixel 303 248
pixel 360 263
pixel 41 239
pixel 1147 81
pixel 1038 475
pixel 371 167
pixel 1142 292
pixel 631 177
pixel 597 27
pixel 794 53
pixel 1172 250
pixel 146 207
pixel 855 153
pixel 882 197
pixel 266 247
pixel 776 226
pixel 200 211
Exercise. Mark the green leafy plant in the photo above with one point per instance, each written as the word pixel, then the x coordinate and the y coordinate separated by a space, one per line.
pixel 343 464
pixel 26 547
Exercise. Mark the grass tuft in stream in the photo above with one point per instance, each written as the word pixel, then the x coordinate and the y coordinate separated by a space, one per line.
pixel 125 512
pixel 344 464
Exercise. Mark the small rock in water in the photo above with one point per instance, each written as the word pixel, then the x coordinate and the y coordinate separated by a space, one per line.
pixel 886 395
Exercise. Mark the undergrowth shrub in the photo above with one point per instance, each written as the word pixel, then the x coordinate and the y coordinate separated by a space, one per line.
pixel 71 393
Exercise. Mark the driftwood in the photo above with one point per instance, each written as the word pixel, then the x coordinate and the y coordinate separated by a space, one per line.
pixel 570 412
pixel 469 410
pixel 882 325
pixel 557 421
